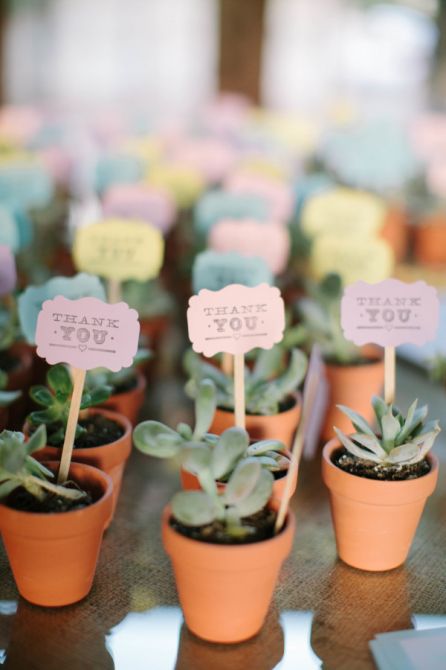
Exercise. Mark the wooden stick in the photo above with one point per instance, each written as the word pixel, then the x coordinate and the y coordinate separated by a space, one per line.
pixel 70 431
pixel 239 390
pixel 296 453
pixel 114 292
pixel 227 364
pixel 389 374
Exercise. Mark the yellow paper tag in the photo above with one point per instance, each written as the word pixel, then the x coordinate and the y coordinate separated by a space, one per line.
pixel 119 249
pixel 352 258
pixel 184 184
pixel 343 211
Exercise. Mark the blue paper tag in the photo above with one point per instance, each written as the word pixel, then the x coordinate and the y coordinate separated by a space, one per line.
pixel 214 271
pixel 9 233
pixel 217 205
pixel 117 168
pixel 30 302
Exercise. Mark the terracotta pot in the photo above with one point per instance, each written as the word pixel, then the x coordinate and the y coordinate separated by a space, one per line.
pixel 374 521
pixel 430 240
pixel 20 379
pixel 225 591
pixel 130 402
pixel 396 231
pixel 353 386
pixel 53 556
pixel 189 482
pixel 110 458
pixel 280 426
pixel 153 329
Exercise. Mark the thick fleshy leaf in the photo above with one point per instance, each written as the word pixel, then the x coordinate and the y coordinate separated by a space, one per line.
pixel 59 379
pixel 371 443
pixel 354 449
pixel 230 447
pixel 258 497
pixel 267 364
pixel 403 454
pixel 41 395
pixel 194 508
pixel 37 440
pixel 8 397
pixel 265 445
pixel 8 486
pixel 380 408
pixel 242 482
pixel 196 458
pixel 156 439
pixel 359 423
pixel 407 425
pixel 205 405
pixel 390 428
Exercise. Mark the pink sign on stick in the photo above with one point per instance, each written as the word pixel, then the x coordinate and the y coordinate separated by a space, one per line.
pixel 8 274
pixel 235 319
pixel 390 313
pixel 269 240
pixel 87 333
pixel 315 400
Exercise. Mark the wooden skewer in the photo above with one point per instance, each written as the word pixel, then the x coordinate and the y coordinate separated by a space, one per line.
pixel 70 431
pixel 239 390
pixel 389 374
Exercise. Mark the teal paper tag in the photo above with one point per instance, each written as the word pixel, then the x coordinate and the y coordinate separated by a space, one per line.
pixel 30 302
pixel 117 169
pixel 214 271
pixel 217 205
pixel 9 233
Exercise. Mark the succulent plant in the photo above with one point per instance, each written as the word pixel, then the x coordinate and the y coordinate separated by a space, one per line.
pixel 102 377
pixel 148 298
pixel 399 440
pixel 320 322
pixel 248 490
pixel 19 469
pixel 226 450
pixel 267 385
pixel 56 398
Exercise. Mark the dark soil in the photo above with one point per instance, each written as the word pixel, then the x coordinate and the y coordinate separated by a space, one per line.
pixel 284 406
pixel 22 500
pixel 356 363
pixel 391 473
pixel 262 522
pixel 99 431
pixel 8 362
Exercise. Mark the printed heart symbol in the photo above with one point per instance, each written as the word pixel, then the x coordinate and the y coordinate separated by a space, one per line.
pixel 236 336
pixel 82 347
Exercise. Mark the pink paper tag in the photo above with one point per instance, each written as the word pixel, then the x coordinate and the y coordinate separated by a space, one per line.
pixel 390 313
pixel 87 333
pixel 235 319
pixel 316 392
pixel 269 240
pixel 8 274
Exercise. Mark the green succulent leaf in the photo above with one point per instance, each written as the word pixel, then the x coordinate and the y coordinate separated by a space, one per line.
pixel 259 496
pixel 156 439
pixel 59 379
pixel 205 406
pixel 242 481
pixel 41 395
pixel 390 428
pixel 230 447
pixel 194 508
pixel 358 422
pixel 37 440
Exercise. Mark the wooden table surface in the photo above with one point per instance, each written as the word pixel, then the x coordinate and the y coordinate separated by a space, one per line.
pixel 323 614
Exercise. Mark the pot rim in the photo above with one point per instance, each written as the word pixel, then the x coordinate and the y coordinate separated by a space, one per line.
pixel 118 418
pixel 364 486
pixel 296 395
pixel 287 531
pixel 372 361
pixel 107 493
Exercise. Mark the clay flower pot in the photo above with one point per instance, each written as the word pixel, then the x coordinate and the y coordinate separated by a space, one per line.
pixel 189 482
pixel 19 379
pixel 153 329
pixel 430 240
pixel 396 230
pixel 353 386
pixel 280 426
pixel 225 591
pixel 374 521
pixel 129 402
pixel 53 556
pixel 110 458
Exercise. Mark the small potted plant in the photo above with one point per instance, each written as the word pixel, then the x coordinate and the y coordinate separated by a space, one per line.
pixel 354 374
pixel 225 555
pixel 156 439
pixel 379 483
pixel 52 533
pixel 103 438
pixel 127 386
pixel 154 306
pixel 273 403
